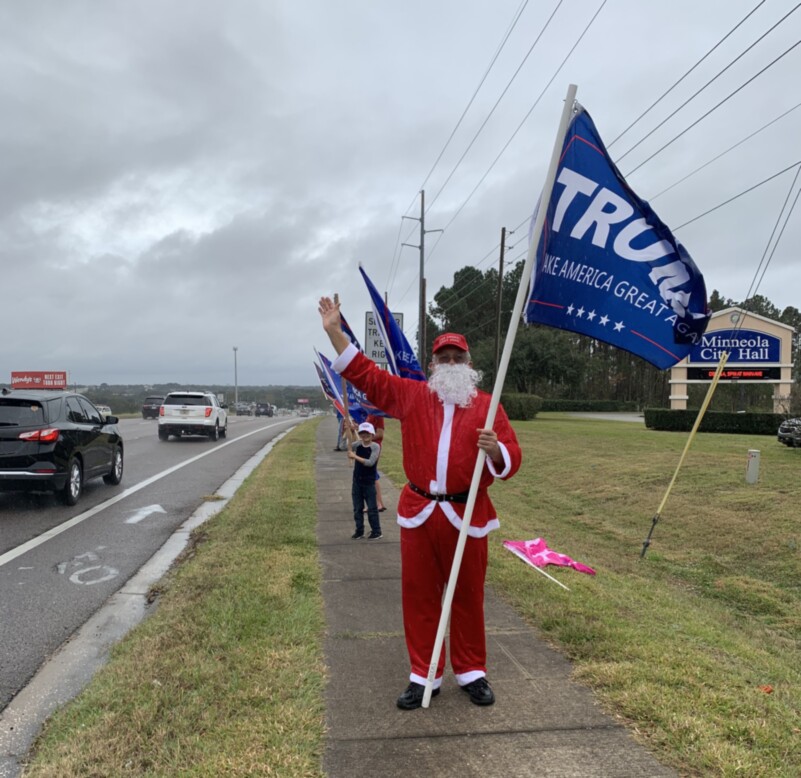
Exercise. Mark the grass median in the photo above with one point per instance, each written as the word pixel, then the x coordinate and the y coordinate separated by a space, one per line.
pixel 226 677
pixel 696 647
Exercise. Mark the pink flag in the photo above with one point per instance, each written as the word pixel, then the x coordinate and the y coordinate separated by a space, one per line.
pixel 537 554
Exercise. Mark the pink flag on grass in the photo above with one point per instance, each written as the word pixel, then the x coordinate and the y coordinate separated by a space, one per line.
pixel 537 554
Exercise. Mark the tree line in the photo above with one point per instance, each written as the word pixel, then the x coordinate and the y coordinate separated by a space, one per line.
pixel 554 363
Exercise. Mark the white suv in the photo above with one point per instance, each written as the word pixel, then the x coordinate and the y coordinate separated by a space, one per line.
pixel 192 413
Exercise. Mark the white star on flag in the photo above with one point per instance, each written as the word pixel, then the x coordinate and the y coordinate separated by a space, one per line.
pixel 619 326
pixel 603 321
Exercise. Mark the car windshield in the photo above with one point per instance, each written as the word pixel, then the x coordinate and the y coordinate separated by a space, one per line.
pixel 20 413
pixel 186 399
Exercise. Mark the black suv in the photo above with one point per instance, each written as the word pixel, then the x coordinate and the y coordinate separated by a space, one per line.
pixel 151 405
pixel 54 441
pixel 264 409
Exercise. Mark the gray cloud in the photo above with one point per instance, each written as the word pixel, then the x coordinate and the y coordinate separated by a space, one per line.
pixel 186 177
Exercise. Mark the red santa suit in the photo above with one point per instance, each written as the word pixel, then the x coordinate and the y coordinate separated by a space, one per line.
pixel 440 445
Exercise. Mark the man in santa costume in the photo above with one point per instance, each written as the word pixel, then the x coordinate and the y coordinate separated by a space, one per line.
pixel 442 429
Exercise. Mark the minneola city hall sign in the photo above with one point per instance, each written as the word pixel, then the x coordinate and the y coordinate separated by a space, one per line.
pixel 760 349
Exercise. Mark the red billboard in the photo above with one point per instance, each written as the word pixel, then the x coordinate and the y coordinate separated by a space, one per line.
pixel 38 379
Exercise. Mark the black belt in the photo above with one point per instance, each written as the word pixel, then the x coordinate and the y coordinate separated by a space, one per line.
pixel 461 497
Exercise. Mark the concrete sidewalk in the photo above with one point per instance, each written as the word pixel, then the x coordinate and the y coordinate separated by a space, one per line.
pixel 542 724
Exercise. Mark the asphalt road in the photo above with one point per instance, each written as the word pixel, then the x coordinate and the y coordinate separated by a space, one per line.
pixel 59 564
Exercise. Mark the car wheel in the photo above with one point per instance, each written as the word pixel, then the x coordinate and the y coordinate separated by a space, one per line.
pixel 214 434
pixel 71 492
pixel 224 431
pixel 163 434
pixel 115 475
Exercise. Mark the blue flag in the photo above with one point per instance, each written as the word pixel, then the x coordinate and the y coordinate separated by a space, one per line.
pixel 607 267
pixel 400 357
pixel 325 385
pixel 334 381
pixel 346 328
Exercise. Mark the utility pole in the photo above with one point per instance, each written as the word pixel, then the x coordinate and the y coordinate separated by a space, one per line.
pixel 421 324
pixel 236 382
pixel 500 297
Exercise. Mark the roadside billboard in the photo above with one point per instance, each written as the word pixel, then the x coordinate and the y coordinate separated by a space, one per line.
pixel 38 379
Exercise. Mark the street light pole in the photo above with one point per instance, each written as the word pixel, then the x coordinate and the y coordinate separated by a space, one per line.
pixel 236 382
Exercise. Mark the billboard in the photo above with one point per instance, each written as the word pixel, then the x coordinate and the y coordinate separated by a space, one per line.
pixel 38 379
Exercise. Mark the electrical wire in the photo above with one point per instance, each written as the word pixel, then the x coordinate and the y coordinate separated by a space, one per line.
pixel 510 29
pixel 770 239
pixel 519 126
pixel 714 108
pixel 737 196
pixel 670 89
pixel 497 102
pixel 723 153
pixel 516 18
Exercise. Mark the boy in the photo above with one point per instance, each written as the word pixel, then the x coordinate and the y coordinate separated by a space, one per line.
pixel 364 454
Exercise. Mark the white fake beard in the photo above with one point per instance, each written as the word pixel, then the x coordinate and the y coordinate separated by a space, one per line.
pixel 454 384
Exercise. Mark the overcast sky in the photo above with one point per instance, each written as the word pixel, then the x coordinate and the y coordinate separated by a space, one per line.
pixel 185 176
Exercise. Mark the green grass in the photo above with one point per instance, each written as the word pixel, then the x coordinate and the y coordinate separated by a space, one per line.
pixel 685 643
pixel 697 647
pixel 226 678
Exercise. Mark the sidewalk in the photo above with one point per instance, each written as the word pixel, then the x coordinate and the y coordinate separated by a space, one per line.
pixel 542 724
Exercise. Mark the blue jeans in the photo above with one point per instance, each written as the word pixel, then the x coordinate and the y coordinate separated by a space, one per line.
pixel 364 492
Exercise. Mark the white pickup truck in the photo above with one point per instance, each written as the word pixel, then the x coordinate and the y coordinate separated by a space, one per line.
pixel 192 413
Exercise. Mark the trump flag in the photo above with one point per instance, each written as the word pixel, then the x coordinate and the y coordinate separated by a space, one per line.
pixel 400 357
pixel 606 266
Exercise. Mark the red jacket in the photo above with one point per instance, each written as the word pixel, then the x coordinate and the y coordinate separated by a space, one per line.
pixel 440 443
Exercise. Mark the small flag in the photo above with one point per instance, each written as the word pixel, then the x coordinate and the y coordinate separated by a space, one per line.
pixel 537 554
pixel 328 391
pixel 607 267
pixel 346 328
pixel 356 411
pixel 400 357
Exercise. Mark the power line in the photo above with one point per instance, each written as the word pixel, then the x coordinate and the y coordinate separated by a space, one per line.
pixel 714 108
pixel 737 196
pixel 517 16
pixel 510 29
pixel 519 126
pixel 497 102
pixel 723 153
pixel 773 232
pixel 665 94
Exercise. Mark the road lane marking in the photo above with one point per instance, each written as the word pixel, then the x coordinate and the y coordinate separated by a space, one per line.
pixel 75 520
pixel 143 513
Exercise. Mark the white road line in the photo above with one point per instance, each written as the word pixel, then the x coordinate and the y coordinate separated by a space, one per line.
pixel 75 520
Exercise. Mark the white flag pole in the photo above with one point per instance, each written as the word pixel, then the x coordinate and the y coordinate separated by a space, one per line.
pixel 522 294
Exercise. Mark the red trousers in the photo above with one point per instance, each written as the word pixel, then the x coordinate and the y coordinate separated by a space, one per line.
pixel 426 557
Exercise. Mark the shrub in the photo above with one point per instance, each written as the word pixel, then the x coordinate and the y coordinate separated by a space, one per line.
pixel 713 421
pixel 521 407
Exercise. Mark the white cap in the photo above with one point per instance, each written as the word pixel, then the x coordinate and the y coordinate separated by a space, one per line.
pixel 367 427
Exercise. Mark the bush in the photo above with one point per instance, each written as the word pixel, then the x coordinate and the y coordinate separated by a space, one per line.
pixel 521 407
pixel 608 406
pixel 714 421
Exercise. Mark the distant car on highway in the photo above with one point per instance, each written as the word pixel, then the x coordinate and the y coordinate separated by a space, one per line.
pixel 242 409
pixel 264 409
pixel 151 405
pixel 192 413
pixel 104 410
pixel 55 441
